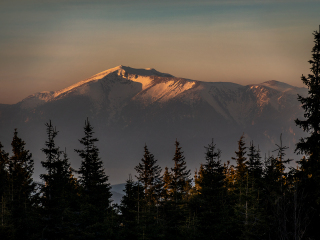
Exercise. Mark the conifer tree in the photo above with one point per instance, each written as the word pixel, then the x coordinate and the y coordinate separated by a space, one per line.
pixel 180 176
pixel 309 173
pixel 254 164
pixel 4 188
pixel 213 211
pixel 59 190
pixel 239 186
pixel 311 104
pixel 149 175
pixel 241 161
pixel 198 178
pixel 151 180
pixel 176 207
pixel 92 175
pixel 276 189
pixel 21 189
pixel 249 212
pixel 166 183
pixel 4 157
pixel 130 208
pixel 95 187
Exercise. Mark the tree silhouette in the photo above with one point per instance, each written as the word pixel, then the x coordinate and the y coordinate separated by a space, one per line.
pixel 309 173
pixel 94 184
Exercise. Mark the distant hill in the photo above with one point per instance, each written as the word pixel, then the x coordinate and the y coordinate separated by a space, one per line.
pixel 117 192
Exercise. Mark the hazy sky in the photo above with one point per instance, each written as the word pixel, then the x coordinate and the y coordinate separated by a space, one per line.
pixel 49 45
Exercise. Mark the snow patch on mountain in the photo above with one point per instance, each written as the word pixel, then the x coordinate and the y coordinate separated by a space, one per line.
pixel 162 91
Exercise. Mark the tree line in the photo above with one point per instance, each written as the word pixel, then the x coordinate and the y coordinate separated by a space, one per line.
pixel 259 197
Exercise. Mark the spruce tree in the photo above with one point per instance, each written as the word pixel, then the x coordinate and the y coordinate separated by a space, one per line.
pixel 59 191
pixel 309 173
pixel 21 189
pixel 4 157
pixel 130 208
pixel 151 181
pixel 254 163
pixel 166 183
pixel 95 192
pixel 149 175
pixel 176 207
pixel 311 104
pixel 198 178
pixel 250 214
pixel 275 196
pixel 180 176
pixel 255 167
pixel 213 211
pixel 241 161
pixel 245 199
pixel 4 188
pixel 239 186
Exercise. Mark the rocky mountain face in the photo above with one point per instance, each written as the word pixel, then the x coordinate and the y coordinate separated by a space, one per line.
pixel 132 107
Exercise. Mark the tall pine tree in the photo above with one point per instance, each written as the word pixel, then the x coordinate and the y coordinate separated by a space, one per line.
pixel 241 161
pixel 212 197
pixel 95 187
pixel 149 175
pixel 309 173
pixel 130 208
pixel 180 176
pixel 4 188
pixel 21 189
pixel 59 190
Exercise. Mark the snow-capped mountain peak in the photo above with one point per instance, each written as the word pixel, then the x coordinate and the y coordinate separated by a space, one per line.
pixel 143 76
pixel 145 86
pixel 131 107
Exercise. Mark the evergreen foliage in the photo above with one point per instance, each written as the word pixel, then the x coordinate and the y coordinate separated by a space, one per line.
pixel 309 172
pixel 130 208
pixel 92 176
pixel 59 191
pixel 166 183
pixel 149 175
pixel 4 188
pixel 254 163
pixel 212 197
pixel 180 176
pixel 276 193
pixel 241 161
pixel 21 188
pixel 95 189
pixel 311 104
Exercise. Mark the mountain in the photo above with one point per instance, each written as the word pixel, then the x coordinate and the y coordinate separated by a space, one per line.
pixel 117 193
pixel 131 107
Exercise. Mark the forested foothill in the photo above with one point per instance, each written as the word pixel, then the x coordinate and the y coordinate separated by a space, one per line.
pixel 259 197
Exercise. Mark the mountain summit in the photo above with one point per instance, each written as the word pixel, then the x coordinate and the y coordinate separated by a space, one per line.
pixel 130 107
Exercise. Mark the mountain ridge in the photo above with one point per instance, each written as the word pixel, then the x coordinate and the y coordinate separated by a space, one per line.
pixel 149 78
pixel 129 109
